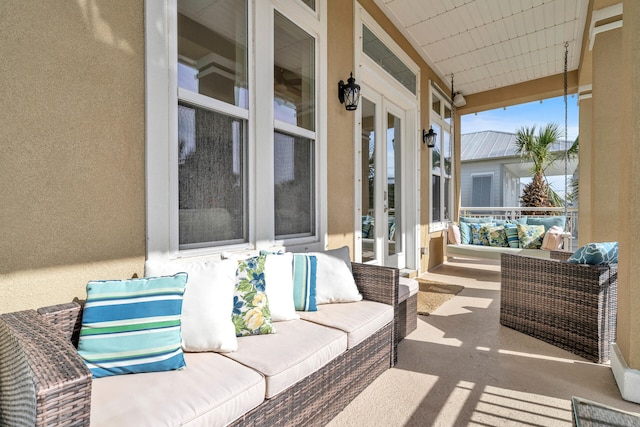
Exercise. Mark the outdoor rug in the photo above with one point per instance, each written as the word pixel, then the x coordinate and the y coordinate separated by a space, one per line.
pixel 432 295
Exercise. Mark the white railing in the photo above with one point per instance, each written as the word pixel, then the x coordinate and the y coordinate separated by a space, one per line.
pixel 518 212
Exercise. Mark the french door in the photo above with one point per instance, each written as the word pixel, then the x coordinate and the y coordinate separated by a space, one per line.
pixel 383 144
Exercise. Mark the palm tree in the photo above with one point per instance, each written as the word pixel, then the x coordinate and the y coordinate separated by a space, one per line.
pixel 536 148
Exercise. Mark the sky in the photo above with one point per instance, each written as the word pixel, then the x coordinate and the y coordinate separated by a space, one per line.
pixel 533 113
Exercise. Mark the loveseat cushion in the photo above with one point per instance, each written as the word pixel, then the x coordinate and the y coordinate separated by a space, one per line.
pixel 213 390
pixel 297 350
pixel 358 319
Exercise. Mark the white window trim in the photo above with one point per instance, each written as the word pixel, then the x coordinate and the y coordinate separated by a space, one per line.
pixel 440 121
pixel 161 121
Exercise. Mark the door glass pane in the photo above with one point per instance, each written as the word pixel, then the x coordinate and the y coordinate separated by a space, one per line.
pixel 394 141
pixel 212 49
pixel 211 178
pixel 294 172
pixel 368 179
pixel 294 74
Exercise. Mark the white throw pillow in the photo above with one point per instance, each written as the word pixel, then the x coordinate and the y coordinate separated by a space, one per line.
pixel 334 280
pixel 453 234
pixel 278 277
pixel 553 239
pixel 207 304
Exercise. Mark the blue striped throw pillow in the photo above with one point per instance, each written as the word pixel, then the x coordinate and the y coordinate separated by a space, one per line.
pixel 133 326
pixel 512 235
pixel 304 282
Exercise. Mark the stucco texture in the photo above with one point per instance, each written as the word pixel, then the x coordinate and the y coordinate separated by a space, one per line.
pixel 72 199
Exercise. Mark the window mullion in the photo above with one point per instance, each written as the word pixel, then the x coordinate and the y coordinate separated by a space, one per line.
pixel 262 124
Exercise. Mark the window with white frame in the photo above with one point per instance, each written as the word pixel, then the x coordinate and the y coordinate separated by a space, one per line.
pixel 481 190
pixel 441 159
pixel 212 121
pixel 226 116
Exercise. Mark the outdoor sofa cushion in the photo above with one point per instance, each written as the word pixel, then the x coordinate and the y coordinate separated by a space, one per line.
pixel 492 252
pixel 358 319
pixel 298 349
pixel 212 391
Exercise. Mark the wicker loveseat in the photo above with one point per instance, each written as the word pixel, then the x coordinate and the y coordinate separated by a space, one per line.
pixel 572 306
pixel 43 381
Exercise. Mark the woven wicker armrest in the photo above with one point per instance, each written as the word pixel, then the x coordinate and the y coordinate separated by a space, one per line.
pixel 561 255
pixel 572 306
pixel 66 317
pixel 377 283
pixel 43 380
pixel 380 284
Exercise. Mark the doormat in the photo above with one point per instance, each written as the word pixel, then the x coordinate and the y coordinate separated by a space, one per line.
pixel 432 295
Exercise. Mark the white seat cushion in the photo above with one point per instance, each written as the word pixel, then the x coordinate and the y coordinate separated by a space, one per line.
pixel 212 390
pixel 358 319
pixel 403 293
pixel 412 285
pixel 298 349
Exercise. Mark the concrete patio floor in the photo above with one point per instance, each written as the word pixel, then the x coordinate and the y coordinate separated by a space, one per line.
pixel 461 367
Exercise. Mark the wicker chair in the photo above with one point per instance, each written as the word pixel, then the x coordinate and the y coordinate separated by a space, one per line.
pixel 571 306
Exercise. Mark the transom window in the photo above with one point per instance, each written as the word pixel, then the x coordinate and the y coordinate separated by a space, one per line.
pixel 375 49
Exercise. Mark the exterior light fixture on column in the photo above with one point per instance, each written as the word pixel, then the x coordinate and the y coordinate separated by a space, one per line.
pixel 349 94
pixel 429 138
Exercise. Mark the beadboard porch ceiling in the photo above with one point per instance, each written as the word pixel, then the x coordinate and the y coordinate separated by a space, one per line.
pixel 488 44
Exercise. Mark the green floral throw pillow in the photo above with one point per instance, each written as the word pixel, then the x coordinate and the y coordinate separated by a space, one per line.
pixel 530 236
pixel 251 315
pixel 497 236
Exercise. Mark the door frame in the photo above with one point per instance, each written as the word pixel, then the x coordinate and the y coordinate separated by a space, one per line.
pixel 372 81
pixel 383 108
pixel 374 77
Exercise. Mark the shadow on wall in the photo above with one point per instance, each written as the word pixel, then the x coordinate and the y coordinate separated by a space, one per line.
pixel 72 169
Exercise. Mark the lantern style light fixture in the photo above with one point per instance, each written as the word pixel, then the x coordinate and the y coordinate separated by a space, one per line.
pixel 429 138
pixel 459 100
pixel 349 93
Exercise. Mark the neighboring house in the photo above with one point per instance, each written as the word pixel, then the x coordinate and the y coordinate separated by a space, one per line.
pixel 491 172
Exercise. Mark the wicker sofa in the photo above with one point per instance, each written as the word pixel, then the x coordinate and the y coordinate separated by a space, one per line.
pixel 43 381
pixel 572 306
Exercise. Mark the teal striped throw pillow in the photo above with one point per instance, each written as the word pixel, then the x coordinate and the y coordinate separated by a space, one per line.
pixel 512 235
pixel 304 282
pixel 133 326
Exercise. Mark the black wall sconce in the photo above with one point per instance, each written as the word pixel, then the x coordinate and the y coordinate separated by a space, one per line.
pixel 349 94
pixel 429 138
